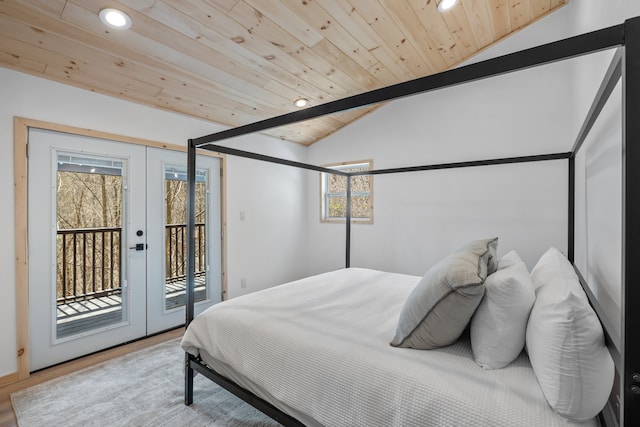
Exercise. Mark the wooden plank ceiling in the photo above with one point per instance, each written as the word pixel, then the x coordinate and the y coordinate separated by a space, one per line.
pixel 235 62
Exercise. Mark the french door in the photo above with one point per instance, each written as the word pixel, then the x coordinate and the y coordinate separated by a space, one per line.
pixel 107 242
pixel 166 254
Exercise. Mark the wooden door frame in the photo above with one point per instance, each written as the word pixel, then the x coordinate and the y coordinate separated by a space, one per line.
pixel 21 128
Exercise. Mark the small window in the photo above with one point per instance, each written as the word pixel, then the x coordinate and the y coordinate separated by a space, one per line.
pixel 333 194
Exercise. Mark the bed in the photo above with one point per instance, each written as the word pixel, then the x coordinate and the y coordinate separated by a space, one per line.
pixel 353 372
pixel 315 347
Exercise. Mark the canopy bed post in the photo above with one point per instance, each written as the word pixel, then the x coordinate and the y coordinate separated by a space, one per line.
pixel 190 267
pixel 191 227
pixel 630 411
pixel 347 220
pixel 571 232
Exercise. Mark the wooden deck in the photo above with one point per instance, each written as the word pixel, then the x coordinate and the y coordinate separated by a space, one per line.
pixel 82 316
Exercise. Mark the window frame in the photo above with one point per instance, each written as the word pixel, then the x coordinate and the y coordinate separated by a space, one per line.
pixel 324 195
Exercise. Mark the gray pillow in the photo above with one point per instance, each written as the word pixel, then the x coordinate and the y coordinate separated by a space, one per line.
pixel 441 305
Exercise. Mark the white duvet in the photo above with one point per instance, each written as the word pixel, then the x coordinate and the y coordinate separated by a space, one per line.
pixel 318 349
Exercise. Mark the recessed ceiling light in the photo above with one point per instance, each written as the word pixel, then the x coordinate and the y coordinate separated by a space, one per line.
pixel 115 18
pixel 445 5
pixel 301 102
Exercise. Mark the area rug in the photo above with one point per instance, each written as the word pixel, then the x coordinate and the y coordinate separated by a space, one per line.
pixel 144 388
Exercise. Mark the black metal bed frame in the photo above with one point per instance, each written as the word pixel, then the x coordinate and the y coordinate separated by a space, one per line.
pixel 624 406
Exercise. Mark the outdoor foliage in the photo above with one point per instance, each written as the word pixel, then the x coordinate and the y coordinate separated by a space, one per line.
pixel 337 195
pixel 89 223
pixel 176 218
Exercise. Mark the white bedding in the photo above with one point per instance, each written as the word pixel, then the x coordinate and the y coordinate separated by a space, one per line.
pixel 318 348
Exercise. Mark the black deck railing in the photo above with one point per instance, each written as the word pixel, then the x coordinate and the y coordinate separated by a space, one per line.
pixel 88 263
pixel 89 260
pixel 176 251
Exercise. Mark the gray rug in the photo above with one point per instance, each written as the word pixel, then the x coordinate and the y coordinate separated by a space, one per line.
pixel 145 388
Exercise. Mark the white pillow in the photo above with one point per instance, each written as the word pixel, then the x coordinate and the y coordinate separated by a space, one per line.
pixel 499 325
pixel 565 342
pixel 508 259
pixel 552 265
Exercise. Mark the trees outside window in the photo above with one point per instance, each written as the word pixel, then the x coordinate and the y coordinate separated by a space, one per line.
pixel 333 193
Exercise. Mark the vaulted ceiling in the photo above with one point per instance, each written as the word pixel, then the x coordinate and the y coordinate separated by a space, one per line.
pixel 240 61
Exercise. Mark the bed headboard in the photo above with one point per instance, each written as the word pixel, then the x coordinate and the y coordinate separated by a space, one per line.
pixel 621 336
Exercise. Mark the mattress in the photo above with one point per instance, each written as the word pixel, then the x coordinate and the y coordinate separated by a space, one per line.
pixel 318 349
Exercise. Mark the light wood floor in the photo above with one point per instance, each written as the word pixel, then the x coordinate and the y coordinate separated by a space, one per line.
pixel 7 416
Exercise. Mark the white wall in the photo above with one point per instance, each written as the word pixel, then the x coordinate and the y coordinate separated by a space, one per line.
pixel 250 186
pixel 530 112
pixel 267 247
pixel 419 217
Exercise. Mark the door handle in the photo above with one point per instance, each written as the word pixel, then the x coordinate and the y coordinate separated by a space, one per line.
pixel 138 247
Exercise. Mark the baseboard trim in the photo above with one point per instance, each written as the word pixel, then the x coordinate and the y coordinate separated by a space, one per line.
pixel 8 379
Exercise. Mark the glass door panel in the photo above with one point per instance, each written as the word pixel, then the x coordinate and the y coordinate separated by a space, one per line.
pixel 175 203
pixel 89 201
pixel 167 238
